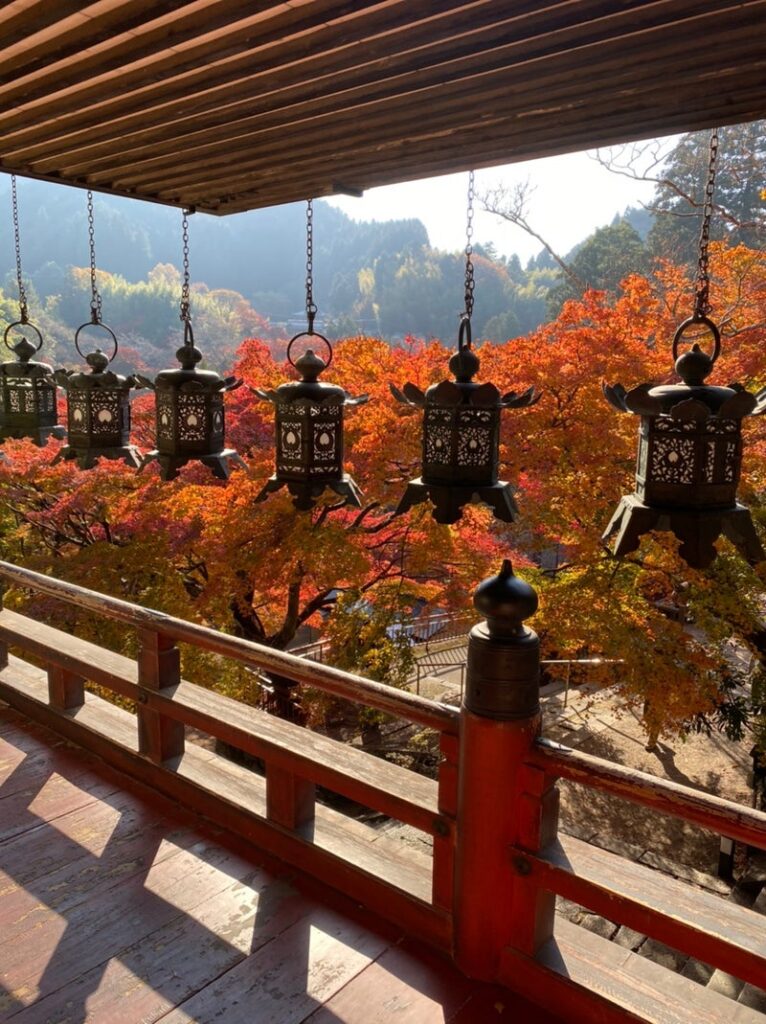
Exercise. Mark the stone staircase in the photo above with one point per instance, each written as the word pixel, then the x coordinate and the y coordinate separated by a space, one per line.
pixel 749 891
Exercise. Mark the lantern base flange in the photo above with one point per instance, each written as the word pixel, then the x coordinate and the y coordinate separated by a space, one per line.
pixel 37 435
pixel 305 494
pixel 697 530
pixel 448 500
pixel 220 463
pixel 88 457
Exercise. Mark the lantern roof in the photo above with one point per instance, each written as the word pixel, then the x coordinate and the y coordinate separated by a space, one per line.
pixel 209 105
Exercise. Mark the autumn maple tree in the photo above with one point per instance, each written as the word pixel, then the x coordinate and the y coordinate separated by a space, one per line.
pixel 206 551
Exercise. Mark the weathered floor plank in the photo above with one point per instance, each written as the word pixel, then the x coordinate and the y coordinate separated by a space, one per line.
pixel 116 909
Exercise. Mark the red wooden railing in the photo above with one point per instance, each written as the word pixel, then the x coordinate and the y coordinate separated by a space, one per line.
pixel 487 894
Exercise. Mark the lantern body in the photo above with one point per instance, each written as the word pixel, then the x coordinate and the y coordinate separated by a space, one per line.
pixel 98 414
pixel 688 464
pixel 190 419
pixel 28 398
pixel 461 439
pixel 309 437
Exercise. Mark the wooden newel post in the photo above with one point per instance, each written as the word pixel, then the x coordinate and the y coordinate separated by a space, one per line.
pixel 159 666
pixel 499 807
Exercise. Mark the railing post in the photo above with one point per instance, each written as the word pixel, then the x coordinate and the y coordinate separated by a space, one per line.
pixel 500 805
pixel 289 798
pixel 65 689
pixel 3 645
pixel 159 666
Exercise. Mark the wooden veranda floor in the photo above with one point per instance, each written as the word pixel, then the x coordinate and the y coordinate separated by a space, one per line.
pixel 117 907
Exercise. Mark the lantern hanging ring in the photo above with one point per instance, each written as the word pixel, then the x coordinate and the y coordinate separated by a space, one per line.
pixel 308 334
pixel 23 323
pixel 697 321
pixel 103 326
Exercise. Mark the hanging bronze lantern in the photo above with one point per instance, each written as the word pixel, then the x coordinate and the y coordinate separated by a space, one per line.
pixel 309 417
pixel 309 432
pixel 190 422
pixel 461 426
pixel 690 442
pixel 98 403
pixel 98 408
pixel 461 438
pixel 689 459
pixel 27 391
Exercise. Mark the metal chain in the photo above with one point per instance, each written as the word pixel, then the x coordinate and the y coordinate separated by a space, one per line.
pixel 702 298
pixel 311 309
pixel 469 281
pixel 23 312
pixel 185 294
pixel 95 298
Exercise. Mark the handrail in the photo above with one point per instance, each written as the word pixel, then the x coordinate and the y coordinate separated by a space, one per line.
pixel 331 680
pixel 724 816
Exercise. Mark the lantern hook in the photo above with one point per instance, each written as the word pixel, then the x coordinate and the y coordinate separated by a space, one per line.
pixel 311 308
pixel 103 326
pixel 24 322
pixel 23 315
pixel 702 295
pixel 464 340
pixel 308 334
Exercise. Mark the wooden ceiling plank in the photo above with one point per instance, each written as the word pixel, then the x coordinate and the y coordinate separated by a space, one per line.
pixel 453 103
pixel 387 154
pixel 160 49
pixel 409 48
pixel 73 38
pixel 602 132
pixel 137 90
pixel 421 67
pixel 19 20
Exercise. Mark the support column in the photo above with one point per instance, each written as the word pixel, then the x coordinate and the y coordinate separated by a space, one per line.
pixel 500 805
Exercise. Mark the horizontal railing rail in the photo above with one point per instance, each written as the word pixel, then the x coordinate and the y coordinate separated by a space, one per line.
pixel 355 688
pixel 487 894
pixel 713 812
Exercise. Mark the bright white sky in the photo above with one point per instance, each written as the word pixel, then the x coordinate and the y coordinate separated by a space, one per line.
pixel 573 196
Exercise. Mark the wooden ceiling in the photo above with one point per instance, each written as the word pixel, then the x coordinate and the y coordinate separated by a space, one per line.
pixel 227 105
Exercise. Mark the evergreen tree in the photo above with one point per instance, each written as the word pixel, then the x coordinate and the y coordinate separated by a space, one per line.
pixel 740 212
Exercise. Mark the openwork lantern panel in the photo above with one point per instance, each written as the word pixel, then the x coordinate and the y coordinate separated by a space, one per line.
pixel 689 458
pixel 461 439
pixel 27 393
pixel 309 433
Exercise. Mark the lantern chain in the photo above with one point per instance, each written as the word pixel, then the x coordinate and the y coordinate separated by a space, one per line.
pixel 185 291
pixel 469 281
pixel 702 297
pixel 311 309
pixel 95 297
pixel 23 311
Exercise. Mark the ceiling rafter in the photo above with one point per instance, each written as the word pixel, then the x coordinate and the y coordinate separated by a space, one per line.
pixel 227 105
